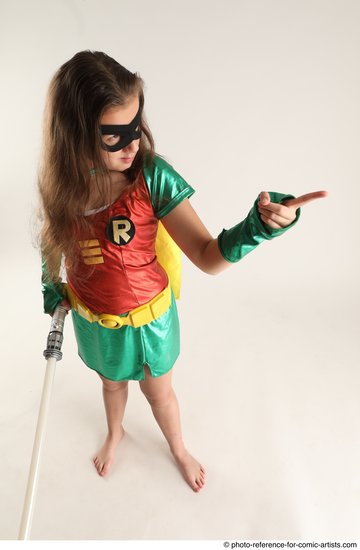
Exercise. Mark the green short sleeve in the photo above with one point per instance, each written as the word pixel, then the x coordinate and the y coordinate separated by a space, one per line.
pixel 166 187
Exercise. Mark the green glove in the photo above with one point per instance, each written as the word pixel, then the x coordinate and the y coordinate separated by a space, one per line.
pixel 53 293
pixel 241 239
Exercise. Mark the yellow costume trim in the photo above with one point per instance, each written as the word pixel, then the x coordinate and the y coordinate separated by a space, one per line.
pixel 142 315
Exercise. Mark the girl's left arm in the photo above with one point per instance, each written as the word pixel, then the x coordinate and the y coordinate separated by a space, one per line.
pixel 190 234
pixel 271 215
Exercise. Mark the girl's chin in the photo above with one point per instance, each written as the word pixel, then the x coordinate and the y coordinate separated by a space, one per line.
pixel 127 161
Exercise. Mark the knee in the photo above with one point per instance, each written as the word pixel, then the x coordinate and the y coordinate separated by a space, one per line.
pixel 111 385
pixel 158 399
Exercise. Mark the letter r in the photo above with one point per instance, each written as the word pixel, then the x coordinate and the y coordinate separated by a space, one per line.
pixel 120 230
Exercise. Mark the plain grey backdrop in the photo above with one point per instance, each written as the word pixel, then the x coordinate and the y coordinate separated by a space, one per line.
pixel 242 96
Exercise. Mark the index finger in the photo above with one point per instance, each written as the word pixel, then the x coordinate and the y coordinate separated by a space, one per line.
pixel 304 199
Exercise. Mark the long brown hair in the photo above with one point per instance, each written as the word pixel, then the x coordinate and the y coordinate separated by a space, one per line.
pixel 79 93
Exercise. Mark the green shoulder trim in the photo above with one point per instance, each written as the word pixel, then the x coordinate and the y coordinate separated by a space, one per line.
pixel 166 187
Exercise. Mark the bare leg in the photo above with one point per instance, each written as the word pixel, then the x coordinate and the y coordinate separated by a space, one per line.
pixel 115 398
pixel 165 408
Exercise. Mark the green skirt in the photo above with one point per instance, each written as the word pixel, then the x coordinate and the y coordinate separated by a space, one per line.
pixel 121 354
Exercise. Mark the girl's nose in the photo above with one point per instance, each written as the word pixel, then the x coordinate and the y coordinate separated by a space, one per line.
pixel 132 147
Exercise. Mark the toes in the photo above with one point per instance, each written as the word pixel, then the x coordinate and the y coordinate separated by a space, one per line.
pixel 193 484
pixel 106 468
pixel 98 465
pixel 200 483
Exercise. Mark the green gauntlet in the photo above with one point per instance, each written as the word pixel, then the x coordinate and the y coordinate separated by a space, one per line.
pixel 241 239
pixel 53 293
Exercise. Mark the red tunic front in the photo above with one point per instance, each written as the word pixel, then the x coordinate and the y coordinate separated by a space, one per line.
pixel 118 269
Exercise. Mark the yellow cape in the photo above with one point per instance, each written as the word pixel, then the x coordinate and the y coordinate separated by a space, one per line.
pixel 169 256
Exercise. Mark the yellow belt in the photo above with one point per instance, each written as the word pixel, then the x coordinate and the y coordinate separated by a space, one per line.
pixel 137 317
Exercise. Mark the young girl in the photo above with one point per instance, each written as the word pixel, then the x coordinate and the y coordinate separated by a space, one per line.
pixel 103 192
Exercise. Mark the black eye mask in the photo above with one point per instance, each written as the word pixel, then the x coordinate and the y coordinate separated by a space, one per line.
pixel 126 132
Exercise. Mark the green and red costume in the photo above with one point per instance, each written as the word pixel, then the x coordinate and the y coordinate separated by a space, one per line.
pixel 118 271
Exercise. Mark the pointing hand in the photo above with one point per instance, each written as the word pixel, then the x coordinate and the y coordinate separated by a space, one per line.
pixel 281 215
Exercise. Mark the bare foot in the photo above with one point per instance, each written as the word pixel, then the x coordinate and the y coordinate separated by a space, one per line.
pixel 105 457
pixel 192 471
